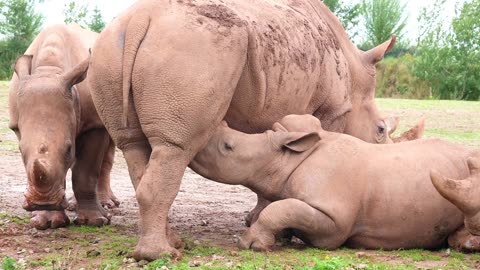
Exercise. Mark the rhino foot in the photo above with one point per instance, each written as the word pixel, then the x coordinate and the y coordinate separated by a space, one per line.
pixel 463 240
pixel 173 239
pixel 149 249
pixel 72 203
pixel 257 240
pixel 42 220
pixel 94 217
pixel 108 200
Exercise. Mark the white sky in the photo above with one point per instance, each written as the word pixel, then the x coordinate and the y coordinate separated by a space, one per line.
pixel 53 10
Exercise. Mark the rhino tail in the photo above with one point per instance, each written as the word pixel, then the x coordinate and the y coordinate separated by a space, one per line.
pixel 136 30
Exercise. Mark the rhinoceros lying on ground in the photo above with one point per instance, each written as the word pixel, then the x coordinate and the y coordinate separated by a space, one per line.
pixel 291 124
pixel 53 116
pixel 334 189
pixel 165 73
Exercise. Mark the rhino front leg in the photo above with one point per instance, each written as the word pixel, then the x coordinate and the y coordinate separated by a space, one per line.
pixel 91 148
pixel 104 192
pixel 255 212
pixel 316 227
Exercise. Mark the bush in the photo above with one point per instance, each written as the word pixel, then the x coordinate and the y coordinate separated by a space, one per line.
pixel 11 49
pixel 395 79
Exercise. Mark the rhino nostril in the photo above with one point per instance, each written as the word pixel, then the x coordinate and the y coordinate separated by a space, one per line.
pixel 43 149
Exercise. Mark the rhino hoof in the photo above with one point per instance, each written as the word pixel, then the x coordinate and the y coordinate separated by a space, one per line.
pixel 92 219
pixel 72 204
pixel 108 201
pixel 42 220
pixel 256 241
pixel 151 253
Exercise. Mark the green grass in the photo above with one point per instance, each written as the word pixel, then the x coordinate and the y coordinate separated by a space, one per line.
pixel 455 121
pixel 6 218
pixel 418 255
pixel 416 104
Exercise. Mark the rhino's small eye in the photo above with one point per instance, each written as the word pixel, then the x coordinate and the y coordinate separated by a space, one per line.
pixel 381 129
pixel 228 147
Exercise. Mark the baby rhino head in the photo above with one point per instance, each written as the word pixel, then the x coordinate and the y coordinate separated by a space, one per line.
pixel 234 157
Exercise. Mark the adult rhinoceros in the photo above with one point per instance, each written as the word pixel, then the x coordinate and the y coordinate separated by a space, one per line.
pixel 175 68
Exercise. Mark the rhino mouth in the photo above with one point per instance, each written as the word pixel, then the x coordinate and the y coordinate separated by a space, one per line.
pixel 36 201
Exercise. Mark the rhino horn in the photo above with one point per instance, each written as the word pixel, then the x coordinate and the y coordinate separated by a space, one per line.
pixel 465 194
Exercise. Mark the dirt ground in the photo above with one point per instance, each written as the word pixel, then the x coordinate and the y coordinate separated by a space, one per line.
pixel 208 210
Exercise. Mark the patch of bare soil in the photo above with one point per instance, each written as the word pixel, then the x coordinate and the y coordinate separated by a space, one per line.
pixel 203 209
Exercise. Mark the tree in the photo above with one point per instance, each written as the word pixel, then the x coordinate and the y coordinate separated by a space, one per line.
pixel 449 57
pixel 75 13
pixel 19 24
pixel 348 14
pixel 382 18
pixel 97 23
pixel 19 20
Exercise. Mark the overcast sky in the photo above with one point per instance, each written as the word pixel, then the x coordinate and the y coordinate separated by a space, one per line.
pixel 53 10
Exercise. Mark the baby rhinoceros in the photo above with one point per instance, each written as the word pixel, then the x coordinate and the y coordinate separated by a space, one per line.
pixel 333 189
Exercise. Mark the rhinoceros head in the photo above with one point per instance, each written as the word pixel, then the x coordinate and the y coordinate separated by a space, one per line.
pixel 44 119
pixel 234 157
pixel 364 121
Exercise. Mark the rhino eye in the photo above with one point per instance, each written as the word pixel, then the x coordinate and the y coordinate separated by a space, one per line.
pixel 381 130
pixel 228 147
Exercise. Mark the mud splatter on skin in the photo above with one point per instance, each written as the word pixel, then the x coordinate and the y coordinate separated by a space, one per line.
pixel 222 14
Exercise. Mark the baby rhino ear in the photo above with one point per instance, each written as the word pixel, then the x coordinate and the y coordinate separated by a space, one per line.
pixel 299 141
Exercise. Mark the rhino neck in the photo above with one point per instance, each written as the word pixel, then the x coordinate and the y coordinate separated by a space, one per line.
pixel 270 181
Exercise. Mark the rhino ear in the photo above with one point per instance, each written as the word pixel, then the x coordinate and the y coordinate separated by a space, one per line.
pixel 391 123
pixel 376 54
pixel 297 141
pixel 278 127
pixel 23 66
pixel 76 74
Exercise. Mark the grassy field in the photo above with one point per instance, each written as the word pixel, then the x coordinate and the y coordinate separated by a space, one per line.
pixel 110 247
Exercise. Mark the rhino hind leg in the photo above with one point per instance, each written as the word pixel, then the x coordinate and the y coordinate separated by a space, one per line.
pixel 104 192
pixel 465 194
pixel 316 228
pixel 42 220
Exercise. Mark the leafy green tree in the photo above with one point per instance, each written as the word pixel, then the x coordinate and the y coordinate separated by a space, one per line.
pixel 76 13
pixel 349 14
pixel 19 24
pixel 382 18
pixel 96 23
pixel 449 57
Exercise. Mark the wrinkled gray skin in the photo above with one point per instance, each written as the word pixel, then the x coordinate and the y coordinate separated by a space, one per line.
pixel 165 73
pixel 53 116
pixel 334 189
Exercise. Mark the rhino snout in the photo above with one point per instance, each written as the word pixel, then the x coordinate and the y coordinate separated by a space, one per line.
pixel 35 201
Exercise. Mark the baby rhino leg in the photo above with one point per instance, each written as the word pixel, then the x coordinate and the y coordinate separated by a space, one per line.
pixel 317 227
